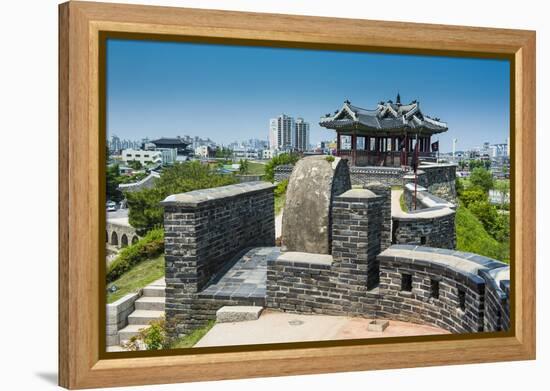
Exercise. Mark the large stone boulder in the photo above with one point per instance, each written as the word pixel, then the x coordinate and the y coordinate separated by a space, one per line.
pixel 313 184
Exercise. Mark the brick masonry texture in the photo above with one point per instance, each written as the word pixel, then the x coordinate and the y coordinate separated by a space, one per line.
pixel 220 251
pixel 439 179
pixel 204 231
pixel 433 232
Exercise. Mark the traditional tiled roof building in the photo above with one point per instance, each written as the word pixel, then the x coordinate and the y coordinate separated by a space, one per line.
pixel 384 136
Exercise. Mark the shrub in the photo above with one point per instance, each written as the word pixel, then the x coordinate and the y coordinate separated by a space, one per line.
pixel 482 178
pixel 486 214
pixel 330 159
pixel 281 188
pixel 471 195
pixel 472 237
pixel 150 246
pixel 282 159
pixel 153 337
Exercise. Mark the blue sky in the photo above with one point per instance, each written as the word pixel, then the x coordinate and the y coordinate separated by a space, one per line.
pixel 229 93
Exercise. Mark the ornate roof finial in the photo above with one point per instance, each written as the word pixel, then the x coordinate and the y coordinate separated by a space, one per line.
pixel 398 99
pixel 347 101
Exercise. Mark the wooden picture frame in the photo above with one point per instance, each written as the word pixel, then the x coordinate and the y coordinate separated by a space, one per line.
pixel 81 225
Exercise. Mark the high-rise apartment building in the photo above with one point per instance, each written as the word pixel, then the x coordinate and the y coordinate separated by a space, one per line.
pixel 301 135
pixel 287 134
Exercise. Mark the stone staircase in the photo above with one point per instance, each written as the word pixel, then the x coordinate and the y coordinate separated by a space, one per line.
pixel 149 307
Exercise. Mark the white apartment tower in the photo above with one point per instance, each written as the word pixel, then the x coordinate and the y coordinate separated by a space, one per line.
pixel 281 132
pixel 301 135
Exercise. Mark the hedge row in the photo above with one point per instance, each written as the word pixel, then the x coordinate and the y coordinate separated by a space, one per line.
pixel 150 246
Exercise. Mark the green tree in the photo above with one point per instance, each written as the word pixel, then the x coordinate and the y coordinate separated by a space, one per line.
pixel 113 179
pixel 145 211
pixel 285 158
pixel 243 166
pixel 487 215
pixel 135 165
pixel 459 186
pixel 471 195
pixel 482 178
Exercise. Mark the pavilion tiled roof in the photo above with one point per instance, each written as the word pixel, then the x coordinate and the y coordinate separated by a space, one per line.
pixel 387 117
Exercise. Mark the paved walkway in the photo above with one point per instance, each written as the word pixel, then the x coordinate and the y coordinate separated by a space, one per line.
pixel 245 278
pixel 278 327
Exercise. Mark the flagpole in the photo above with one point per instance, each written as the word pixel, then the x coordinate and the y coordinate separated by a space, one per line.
pixel 415 156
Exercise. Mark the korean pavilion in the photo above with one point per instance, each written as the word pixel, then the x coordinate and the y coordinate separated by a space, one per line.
pixel 385 136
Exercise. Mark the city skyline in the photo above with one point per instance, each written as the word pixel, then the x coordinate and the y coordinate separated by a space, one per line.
pixel 157 89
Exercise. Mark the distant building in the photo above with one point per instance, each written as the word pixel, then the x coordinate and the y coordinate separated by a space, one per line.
pixel 242 152
pixel 281 131
pixel 169 155
pixel 301 135
pixel 268 154
pixel 388 135
pixel 205 151
pixel 139 155
pixel 176 143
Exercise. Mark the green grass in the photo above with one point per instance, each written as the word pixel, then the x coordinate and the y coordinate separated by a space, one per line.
pixel 256 168
pixel 137 277
pixel 472 237
pixel 191 339
pixel 279 203
pixel 402 203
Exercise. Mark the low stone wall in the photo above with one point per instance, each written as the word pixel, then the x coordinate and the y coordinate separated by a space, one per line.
pixel 282 172
pixel 203 231
pixel 389 176
pixel 497 298
pixel 146 183
pixel 441 180
pixel 433 227
pixel 435 286
pixel 117 316
pixel 438 178
pixel 341 283
pixel 424 199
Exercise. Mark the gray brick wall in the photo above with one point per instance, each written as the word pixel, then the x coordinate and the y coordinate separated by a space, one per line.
pixel 432 232
pixel 203 230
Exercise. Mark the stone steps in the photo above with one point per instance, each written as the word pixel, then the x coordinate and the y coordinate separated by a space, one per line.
pixel 150 303
pixel 149 307
pixel 154 291
pixel 144 317
pixel 129 331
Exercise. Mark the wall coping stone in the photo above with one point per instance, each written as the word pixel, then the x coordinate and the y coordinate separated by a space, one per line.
pixel 197 197
pixel 297 258
pixel 427 199
pixel 465 263
pixel 356 194
pixel 428 213
pixel 435 165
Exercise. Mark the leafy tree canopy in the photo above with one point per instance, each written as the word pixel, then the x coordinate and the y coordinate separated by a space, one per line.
pixel 145 212
pixel 482 178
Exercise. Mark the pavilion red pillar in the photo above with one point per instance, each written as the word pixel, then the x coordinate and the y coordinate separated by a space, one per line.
pixel 337 143
pixel 353 149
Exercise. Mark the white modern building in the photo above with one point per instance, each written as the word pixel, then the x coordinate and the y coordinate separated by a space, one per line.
pixel 281 132
pixel 268 154
pixel 169 155
pixel 301 135
pixel 144 157
pixel 202 151
pixel 286 134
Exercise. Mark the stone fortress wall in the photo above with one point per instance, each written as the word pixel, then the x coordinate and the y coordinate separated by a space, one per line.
pixel 432 224
pixel 203 231
pixel 438 178
pixel 362 273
